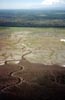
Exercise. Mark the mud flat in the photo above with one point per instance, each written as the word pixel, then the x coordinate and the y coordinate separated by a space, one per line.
pixel 47 44
pixel 32 65
pixel 37 81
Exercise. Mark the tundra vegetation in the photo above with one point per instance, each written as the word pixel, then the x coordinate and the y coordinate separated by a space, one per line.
pixel 32 55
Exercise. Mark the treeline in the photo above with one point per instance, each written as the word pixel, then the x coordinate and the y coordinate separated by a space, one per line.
pixel 14 24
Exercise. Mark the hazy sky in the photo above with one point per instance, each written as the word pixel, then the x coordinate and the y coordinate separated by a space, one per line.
pixel 29 4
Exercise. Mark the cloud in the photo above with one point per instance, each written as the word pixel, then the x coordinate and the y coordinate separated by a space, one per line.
pixel 53 2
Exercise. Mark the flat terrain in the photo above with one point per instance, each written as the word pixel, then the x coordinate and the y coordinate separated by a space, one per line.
pixel 32 63
pixel 32 18
pixel 34 81
pixel 44 43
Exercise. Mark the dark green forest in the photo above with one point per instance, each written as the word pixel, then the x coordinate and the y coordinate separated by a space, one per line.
pixel 32 18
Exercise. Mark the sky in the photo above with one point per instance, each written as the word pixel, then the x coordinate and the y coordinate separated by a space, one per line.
pixel 32 4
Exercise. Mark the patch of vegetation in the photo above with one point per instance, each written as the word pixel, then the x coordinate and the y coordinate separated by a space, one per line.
pixel 32 18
